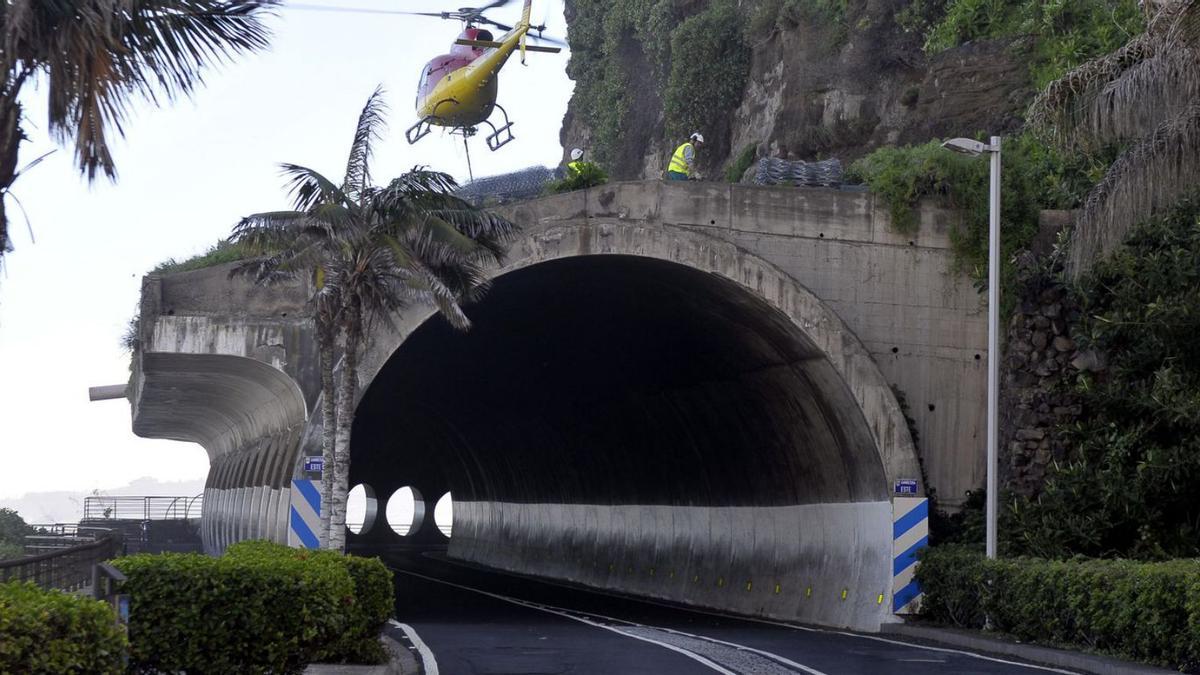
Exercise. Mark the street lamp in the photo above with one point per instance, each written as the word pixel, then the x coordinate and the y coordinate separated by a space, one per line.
pixel 974 148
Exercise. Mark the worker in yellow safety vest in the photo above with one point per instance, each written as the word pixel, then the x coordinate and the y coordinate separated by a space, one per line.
pixel 683 162
pixel 576 163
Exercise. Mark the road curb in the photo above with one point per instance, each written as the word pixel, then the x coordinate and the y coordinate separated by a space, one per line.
pixel 400 662
pixel 1059 658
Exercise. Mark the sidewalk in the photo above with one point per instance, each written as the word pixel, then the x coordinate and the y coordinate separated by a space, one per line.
pixel 1049 656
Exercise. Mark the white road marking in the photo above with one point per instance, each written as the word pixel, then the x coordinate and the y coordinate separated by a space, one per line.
pixel 808 629
pixel 587 618
pixel 428 662
pixel 902 643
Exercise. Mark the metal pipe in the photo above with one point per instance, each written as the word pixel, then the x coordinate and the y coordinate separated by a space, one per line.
pixel 993 394
pixel 106 392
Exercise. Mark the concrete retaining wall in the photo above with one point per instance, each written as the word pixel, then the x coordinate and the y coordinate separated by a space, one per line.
pixel 790 562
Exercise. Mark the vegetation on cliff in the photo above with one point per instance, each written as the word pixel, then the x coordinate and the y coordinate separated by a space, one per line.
pixel 698 67
pixel 1034 177
pixel 1065 32
pixel 1128 487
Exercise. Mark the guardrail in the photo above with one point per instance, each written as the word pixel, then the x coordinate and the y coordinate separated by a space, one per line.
pixel 68 568
pixel 58 536
pixel 142 508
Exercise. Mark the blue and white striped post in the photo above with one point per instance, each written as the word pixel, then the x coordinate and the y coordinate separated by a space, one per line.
pixel 910 534
pixel 304 517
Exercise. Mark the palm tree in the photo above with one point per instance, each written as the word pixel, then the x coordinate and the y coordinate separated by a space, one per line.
pixel 1144 97
pixel 94 57
pixel 372 253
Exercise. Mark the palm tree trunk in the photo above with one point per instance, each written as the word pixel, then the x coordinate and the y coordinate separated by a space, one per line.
pixel 325 339
pixel 347 390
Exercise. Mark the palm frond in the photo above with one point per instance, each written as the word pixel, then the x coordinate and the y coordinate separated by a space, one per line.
pixel 1152 174
pixel 309 189
pixel 371 123
pixel 99 55
pixel 1066 112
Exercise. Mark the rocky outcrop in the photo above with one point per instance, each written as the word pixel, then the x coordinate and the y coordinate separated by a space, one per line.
pixel 820 88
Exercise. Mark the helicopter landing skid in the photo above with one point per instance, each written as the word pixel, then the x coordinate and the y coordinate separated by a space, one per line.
pixel 502 135
pixel 419 130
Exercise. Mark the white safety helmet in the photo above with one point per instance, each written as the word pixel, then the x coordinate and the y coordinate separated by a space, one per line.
pixel 576 154
pixel 698 137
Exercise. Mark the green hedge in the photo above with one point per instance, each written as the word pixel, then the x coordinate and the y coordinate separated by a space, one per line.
pixel 1144 611
pixel 374 598
pixel 259 608
pixel 54 632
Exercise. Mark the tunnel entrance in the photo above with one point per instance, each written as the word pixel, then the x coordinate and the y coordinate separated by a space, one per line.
pixel 636 424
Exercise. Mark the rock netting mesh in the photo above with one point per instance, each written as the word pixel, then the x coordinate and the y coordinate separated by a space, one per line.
pixel 773 171
pixel 509 187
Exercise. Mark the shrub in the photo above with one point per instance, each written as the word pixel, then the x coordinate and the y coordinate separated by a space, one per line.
pixel 710 63
pixel 224 251
pixel 374 598
pixel 1128 486
pixel 53 632
pixel 738 167
pixel 589 175
pixel 250 612
pixel 1144 611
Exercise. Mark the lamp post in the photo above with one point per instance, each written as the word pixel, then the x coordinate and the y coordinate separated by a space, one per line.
pixel 967 146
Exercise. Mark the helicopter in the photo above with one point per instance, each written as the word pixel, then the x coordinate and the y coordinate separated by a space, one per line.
pixel 458 90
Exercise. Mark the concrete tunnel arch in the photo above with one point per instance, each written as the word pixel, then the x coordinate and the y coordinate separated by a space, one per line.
pixel 651 410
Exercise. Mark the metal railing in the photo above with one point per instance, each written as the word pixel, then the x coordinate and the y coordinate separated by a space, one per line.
pixel 68 568
pixel 142 508
pixel 58 536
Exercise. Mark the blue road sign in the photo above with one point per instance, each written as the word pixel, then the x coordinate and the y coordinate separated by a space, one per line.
pixel 315 464
pixel 906 486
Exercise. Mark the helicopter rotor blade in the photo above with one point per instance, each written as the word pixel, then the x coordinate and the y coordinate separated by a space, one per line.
pixel 490 5
pixel 545 38
pixel 497 24
pixel 363 10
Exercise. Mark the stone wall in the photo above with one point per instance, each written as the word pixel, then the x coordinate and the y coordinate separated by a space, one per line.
pixel 1040 359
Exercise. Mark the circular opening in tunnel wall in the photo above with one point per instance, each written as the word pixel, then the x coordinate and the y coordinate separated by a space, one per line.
pixel 405 511
pixel 443 515
pixel 361 508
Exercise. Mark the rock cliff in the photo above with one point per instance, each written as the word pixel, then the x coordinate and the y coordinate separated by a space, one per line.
pixel 825 79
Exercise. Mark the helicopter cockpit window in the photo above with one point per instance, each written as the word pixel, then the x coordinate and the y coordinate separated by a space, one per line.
pixel 425 75
pixel 484 35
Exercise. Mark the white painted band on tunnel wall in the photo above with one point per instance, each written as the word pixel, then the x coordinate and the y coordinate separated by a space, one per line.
pixel 910 534
pixel 304 518
pixel 820 563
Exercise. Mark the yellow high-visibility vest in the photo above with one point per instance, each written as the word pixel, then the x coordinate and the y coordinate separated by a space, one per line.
pixel 574 168
pixel 679 162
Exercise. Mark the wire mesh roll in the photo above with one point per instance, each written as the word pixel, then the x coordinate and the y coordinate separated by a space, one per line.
pixel 775 171
pixel 508 187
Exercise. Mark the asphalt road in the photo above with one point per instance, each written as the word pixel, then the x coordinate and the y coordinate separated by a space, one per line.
pixel 475 622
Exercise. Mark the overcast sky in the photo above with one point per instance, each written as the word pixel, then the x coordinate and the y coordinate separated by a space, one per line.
pixel 188 171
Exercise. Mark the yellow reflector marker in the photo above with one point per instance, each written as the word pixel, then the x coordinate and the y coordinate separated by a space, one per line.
pixel 843 594
pixel 778 589
pixel 651 571
pixel 879 600
pixel 696 579
pixel 720 581
pixel 749 584
pixel 808 592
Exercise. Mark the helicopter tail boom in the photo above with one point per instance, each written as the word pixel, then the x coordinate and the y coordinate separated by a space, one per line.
pixel 491 44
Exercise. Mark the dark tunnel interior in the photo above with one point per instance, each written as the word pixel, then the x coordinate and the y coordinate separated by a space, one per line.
pixel 614 380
